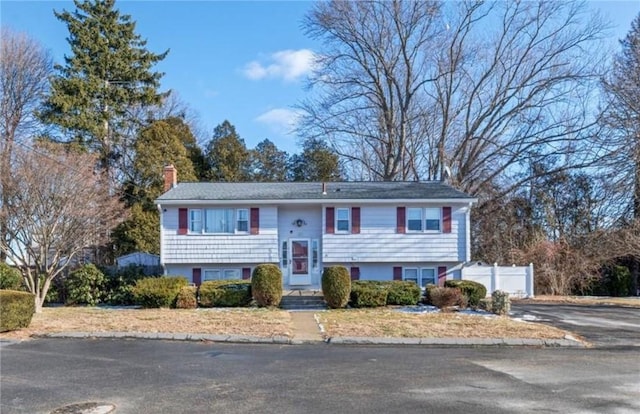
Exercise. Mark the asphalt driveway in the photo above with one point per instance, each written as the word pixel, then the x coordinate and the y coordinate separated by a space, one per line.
pixel 602 325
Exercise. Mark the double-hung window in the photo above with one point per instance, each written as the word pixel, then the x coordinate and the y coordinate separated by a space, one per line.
pixel 242 220
pixel 219 220
pixel 343 224
pixel 414 219
pixel 221 274
pixel 420 276
pixel 432 219
pixel 195 221
pixel 423 219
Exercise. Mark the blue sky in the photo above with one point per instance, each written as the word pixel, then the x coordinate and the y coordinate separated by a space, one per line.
pixel 242 61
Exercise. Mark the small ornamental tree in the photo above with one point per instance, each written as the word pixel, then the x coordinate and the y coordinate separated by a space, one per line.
pixel 55 207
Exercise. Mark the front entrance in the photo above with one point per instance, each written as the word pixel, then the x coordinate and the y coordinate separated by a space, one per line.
pixel 300 273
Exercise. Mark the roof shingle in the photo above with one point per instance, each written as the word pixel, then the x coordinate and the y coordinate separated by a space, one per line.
pixel 373 190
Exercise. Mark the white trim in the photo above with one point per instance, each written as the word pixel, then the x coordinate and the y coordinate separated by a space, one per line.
pixel 336 219
pixel 317 201
pixel 468 234
pixel 162 236
pixel 423 220
pixel 419 274
pixel 222 271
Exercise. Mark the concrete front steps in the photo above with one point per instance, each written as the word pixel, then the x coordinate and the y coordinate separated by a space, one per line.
pixel 302 300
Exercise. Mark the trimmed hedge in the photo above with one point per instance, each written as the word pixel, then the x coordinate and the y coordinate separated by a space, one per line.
pixel 266 284
pixel 10 278
pixel 158 292
pixel 16 309
pixel 474 291
pixel 365 294
pixel 446 297
pixel 85 286
pixel 399 292
pixel 403 293
pixel 336 286
pixel 427 294
pixel 186 298
pixel 229 293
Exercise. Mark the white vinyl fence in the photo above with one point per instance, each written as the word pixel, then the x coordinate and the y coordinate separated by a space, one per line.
pixel 516 280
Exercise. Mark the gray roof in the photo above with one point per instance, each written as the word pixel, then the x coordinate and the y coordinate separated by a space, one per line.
pixel 372 190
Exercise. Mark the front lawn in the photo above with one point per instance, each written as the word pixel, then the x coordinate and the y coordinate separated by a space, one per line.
pixel 389 323
pixel 254 322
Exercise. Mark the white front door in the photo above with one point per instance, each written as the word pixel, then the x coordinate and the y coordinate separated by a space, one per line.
pixel 300 273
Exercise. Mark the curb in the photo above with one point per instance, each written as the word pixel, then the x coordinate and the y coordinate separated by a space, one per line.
pixel 457 342
pixel 344 340
pixel 283 340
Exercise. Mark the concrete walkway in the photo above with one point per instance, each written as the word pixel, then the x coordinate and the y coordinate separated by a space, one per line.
pixel 305 327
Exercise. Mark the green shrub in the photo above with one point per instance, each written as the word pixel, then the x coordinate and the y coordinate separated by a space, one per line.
pixel 427 294
pixel 500 302
pixel 119 286
pixel 84 286
pixel 336 286
pixel 230 293
pixel 10 278
pixel 620 281
pixel 403 293
pixel 158 292
pixel 473 291
pixel 266 284
pixel 446 297
pixel 186 298
pixel 368 294
pixel 16 309
pixel 486 305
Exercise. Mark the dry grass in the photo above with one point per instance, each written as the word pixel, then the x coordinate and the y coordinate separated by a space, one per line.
pixel 632 301
pixel 255 322
pixel 388 323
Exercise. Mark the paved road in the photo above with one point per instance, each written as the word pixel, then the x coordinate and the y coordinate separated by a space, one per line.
pixel 604 326
pixel 142 376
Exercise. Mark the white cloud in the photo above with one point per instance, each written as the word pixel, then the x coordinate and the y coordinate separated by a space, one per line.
pixel 288 65
pixel 280 120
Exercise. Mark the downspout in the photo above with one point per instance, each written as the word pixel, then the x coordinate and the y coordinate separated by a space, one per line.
pixel 164 269
pixel 468 234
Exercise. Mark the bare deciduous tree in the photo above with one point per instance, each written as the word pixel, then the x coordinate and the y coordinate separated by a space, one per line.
pixel 372 78
pixel 408 88
pixel 24 70
pixel 56 206
pixel 621 116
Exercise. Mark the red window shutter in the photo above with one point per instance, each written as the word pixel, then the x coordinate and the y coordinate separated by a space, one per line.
pixel 196 276
pixel 355 220
pixel 255 220
pixel 397 273
pixel 401 215
pixel 183 220
pixel 355 273
pixel 246 273
pixel 446 219
pixel 442 275
pixel 330 220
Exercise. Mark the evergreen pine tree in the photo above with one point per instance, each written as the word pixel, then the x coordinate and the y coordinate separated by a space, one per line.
pixel 108 72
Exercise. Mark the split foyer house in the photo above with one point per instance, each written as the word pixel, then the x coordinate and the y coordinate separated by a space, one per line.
pixel 417 231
